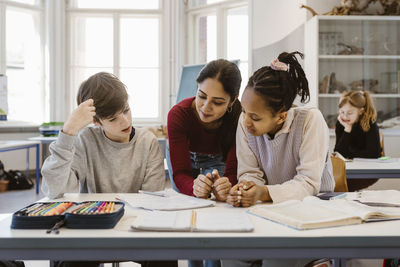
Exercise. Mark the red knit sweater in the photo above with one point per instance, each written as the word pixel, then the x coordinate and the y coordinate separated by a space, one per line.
pixel 185 135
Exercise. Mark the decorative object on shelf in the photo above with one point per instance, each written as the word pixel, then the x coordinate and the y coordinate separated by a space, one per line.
pixel 391 123
pixel 350 50
pixel 389 83
pixel 362 7
pixel 329 42
pixel 364 85
pixel 330 84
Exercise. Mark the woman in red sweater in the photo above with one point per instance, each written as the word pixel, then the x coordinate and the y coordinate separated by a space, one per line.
pixel 201 133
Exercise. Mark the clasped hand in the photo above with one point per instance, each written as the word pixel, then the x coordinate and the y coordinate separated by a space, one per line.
pixel 204 184
pixel 246 194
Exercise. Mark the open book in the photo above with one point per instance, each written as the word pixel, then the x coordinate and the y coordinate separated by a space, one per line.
pixel 164 200
pixel 313 212
pixel 380 198
pixel 191 220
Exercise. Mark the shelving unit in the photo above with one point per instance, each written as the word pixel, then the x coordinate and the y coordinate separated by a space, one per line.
pixel 373 63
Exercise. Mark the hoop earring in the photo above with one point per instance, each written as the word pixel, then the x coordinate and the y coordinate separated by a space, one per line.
pixel 229 109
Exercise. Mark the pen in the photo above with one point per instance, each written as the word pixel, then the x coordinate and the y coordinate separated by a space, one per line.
pixel 193 220
pixel 159 194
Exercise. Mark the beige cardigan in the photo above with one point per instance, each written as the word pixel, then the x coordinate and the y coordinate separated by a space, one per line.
pixel 290 170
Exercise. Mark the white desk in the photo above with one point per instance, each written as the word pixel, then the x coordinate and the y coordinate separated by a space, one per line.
pixel 16 145
pixel 375 170
pixel 269 240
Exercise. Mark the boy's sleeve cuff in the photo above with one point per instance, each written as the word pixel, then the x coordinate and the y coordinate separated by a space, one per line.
pixel 65 141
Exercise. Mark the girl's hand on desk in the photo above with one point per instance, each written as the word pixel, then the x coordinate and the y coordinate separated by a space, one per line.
pixel 80 117
pixel 248 195
pixel 221 187
pixel 202 186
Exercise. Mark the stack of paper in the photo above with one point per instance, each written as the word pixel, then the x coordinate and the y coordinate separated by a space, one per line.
pixel 165 200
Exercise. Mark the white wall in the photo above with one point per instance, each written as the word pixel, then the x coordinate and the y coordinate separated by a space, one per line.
pixel 274 19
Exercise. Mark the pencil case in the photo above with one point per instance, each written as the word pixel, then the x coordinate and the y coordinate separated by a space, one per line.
pixel 75 215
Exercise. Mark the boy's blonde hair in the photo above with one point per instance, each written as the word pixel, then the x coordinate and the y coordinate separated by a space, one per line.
pixel 108 93
pixel 360 99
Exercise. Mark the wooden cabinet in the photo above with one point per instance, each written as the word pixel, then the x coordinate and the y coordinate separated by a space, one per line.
pixel 353 53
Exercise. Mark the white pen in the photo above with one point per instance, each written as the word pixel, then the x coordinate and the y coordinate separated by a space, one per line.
pixel 159 194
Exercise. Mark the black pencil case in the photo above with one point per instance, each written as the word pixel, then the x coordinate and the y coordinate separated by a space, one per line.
pixel 26 218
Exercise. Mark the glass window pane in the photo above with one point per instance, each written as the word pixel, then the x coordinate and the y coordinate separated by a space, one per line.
pixel 92 41
pixel 116 4
pixel 143 90
pixel 140 42
pixel 237 34
pixel 29 2
pixel 207 45
pixel 194 3
pixel 24 67
pixel 244 71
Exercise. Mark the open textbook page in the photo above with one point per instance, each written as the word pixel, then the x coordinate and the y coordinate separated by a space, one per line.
pixel 190 220
pixel 382 198
pixel 313 212
pixel 164 200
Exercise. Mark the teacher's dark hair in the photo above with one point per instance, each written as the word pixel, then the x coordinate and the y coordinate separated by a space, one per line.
pixel 228 74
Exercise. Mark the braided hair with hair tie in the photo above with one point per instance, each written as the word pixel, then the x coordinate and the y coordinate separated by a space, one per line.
pixel 279 87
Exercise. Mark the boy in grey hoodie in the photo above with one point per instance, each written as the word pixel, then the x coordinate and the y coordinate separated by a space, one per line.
pixel 110 157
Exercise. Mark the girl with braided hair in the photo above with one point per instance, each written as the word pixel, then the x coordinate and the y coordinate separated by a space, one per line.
pixel 282 150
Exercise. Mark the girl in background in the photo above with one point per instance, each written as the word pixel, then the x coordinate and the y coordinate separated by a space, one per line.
pixel 357 134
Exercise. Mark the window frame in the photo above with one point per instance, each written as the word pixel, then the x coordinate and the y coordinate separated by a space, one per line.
pixel 117 14
pixel 220 9
pixel 39 11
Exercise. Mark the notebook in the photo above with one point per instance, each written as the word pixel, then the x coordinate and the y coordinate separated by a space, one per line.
pixel 164 200
pixel 191 220
pixel 313 212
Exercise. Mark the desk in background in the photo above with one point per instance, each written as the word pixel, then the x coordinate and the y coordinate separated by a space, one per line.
pixel 16 145
pixel 269 240
pixel 374 170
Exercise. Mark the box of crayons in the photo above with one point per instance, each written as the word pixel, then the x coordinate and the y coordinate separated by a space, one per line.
pixel 82 215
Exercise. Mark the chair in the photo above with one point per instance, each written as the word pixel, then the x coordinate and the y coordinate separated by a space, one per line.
pixel 382 143
pixel 339 173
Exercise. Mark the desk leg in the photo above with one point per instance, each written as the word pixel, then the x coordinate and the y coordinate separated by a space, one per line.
pixel 37 168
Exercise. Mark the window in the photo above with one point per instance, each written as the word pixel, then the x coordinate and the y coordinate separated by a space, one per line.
pixel 123 38
pixel 220 30
pixel 23 50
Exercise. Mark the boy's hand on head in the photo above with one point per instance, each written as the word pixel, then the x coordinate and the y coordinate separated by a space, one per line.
pixel 221 186
pixel 80 117
pixel 202 185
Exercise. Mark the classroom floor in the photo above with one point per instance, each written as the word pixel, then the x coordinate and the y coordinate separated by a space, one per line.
pixel 14 200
